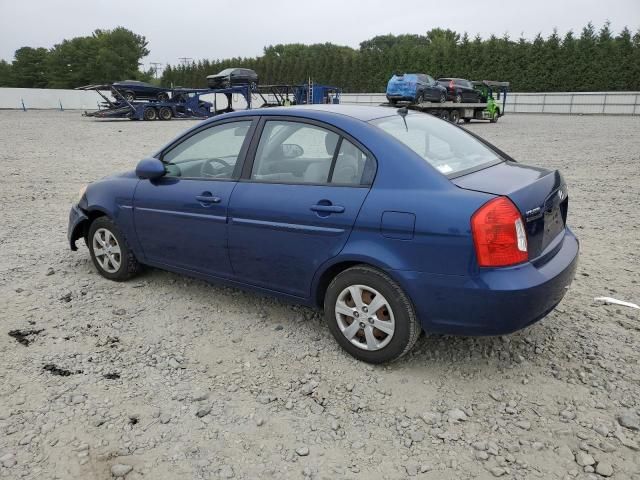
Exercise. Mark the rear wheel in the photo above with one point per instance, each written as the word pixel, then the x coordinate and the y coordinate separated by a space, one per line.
pixel 454 116
pixel 150 113
pixel 370 316
pixel 444 115
pixel 467 120
pixel 163 96
pixel 458 98
pixel 109 251
pixel 443 97
pixel 165 113
pixel 129 96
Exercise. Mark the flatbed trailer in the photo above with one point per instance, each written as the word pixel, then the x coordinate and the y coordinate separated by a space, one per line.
pixel 184 103
pixel 495 94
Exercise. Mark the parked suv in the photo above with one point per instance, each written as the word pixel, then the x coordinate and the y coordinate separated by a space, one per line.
pixel 460 90
pixel 415 87
pixel 232 77
pixel 136 90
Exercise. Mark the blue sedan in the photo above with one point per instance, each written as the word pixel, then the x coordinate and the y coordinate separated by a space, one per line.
pixel 393 221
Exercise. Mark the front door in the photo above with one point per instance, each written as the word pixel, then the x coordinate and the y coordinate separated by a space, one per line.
pixel 298 206
pixel 181 218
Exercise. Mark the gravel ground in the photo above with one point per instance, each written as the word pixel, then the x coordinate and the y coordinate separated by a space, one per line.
pixel 165 377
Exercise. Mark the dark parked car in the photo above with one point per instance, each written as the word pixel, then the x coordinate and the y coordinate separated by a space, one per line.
pixel 135 90
pixel 393 221
pixel 415 87
pixel 232 77
pixel 460 90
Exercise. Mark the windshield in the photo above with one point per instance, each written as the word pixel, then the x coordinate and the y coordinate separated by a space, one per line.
pixel 449 149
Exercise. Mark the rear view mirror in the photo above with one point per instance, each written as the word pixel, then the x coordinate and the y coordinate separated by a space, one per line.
pixel 291 150
pixel 150 168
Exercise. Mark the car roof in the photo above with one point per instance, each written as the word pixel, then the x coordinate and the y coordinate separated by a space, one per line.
pixel 364 113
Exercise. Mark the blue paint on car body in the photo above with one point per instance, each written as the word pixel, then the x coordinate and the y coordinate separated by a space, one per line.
pixel 410 219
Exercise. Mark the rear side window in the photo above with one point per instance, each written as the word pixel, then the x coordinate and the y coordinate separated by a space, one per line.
pixel 296 152
pixel 449 149
pixel 353 166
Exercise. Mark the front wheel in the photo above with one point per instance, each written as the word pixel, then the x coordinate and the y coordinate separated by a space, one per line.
pixel 458 98
pixel 109 251
pixel 443 97
pixel 370 316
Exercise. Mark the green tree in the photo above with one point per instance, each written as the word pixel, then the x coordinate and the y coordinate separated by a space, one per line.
pixel 28 68
pixel 5 74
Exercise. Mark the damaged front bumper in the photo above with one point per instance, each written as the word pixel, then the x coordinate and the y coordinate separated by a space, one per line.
pixel 77 217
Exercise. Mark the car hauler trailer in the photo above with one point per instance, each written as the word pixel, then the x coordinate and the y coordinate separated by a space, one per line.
pixel 492 107
pixel 195 103
pixel 183 103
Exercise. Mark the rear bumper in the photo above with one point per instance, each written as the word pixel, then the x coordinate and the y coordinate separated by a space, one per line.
pixel 495 301
pixel 401 98
pixel 75 230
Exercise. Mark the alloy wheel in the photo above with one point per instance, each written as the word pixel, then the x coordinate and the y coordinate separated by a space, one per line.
pixel 365 317
pixel 107 250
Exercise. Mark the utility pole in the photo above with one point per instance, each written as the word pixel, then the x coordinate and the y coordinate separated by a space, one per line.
pixel 185 60
pixel 154 65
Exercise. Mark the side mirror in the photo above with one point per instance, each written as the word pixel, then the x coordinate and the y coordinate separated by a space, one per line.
pixel 291 150
pixel 150 168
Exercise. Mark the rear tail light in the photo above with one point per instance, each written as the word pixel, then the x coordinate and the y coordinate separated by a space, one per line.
pixel 452 87
pixel 498 234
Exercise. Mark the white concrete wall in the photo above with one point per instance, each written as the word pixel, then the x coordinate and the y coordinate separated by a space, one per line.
pixel 608 103
pixel 47 98
pixel 585 103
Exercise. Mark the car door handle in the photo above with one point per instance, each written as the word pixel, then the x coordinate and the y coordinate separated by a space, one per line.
pixel 328 208
pixel 208 199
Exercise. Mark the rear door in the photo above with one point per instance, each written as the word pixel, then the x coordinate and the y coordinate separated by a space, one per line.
pixel 181 218
pixel 296 204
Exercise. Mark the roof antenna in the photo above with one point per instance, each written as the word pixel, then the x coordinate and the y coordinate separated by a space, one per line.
pixel 403 113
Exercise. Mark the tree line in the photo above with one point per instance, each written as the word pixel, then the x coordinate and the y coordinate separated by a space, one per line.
pixel 104 56
pixel 593 60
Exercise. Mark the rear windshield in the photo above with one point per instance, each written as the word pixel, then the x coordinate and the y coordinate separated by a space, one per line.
pixel 448 148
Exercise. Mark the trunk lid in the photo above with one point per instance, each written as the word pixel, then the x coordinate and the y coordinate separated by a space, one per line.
pixel 539 194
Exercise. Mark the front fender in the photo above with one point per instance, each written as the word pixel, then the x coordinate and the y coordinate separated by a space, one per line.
pixel 113 197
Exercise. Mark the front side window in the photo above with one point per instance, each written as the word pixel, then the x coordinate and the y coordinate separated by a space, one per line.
pixel 211 153
pixel 448 148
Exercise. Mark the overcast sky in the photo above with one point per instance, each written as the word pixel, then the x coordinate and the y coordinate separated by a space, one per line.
pixel 215 29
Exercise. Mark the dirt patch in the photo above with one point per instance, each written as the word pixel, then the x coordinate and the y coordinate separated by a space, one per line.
pixel 25 337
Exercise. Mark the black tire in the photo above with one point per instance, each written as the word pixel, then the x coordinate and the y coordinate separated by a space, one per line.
pixel 165 113
pixel 443 97
pixel 458 98
pixel 393 102
pixel 467 120
pixel 495 117
pixel 454 116
pixel 129 96
pixel 163 96
pixel 406 330
pixel 129 265
pixel 444 115
pixel 150 113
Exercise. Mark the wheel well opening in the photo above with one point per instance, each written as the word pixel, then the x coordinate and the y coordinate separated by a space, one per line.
pixel 326 278
pixel 92 216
